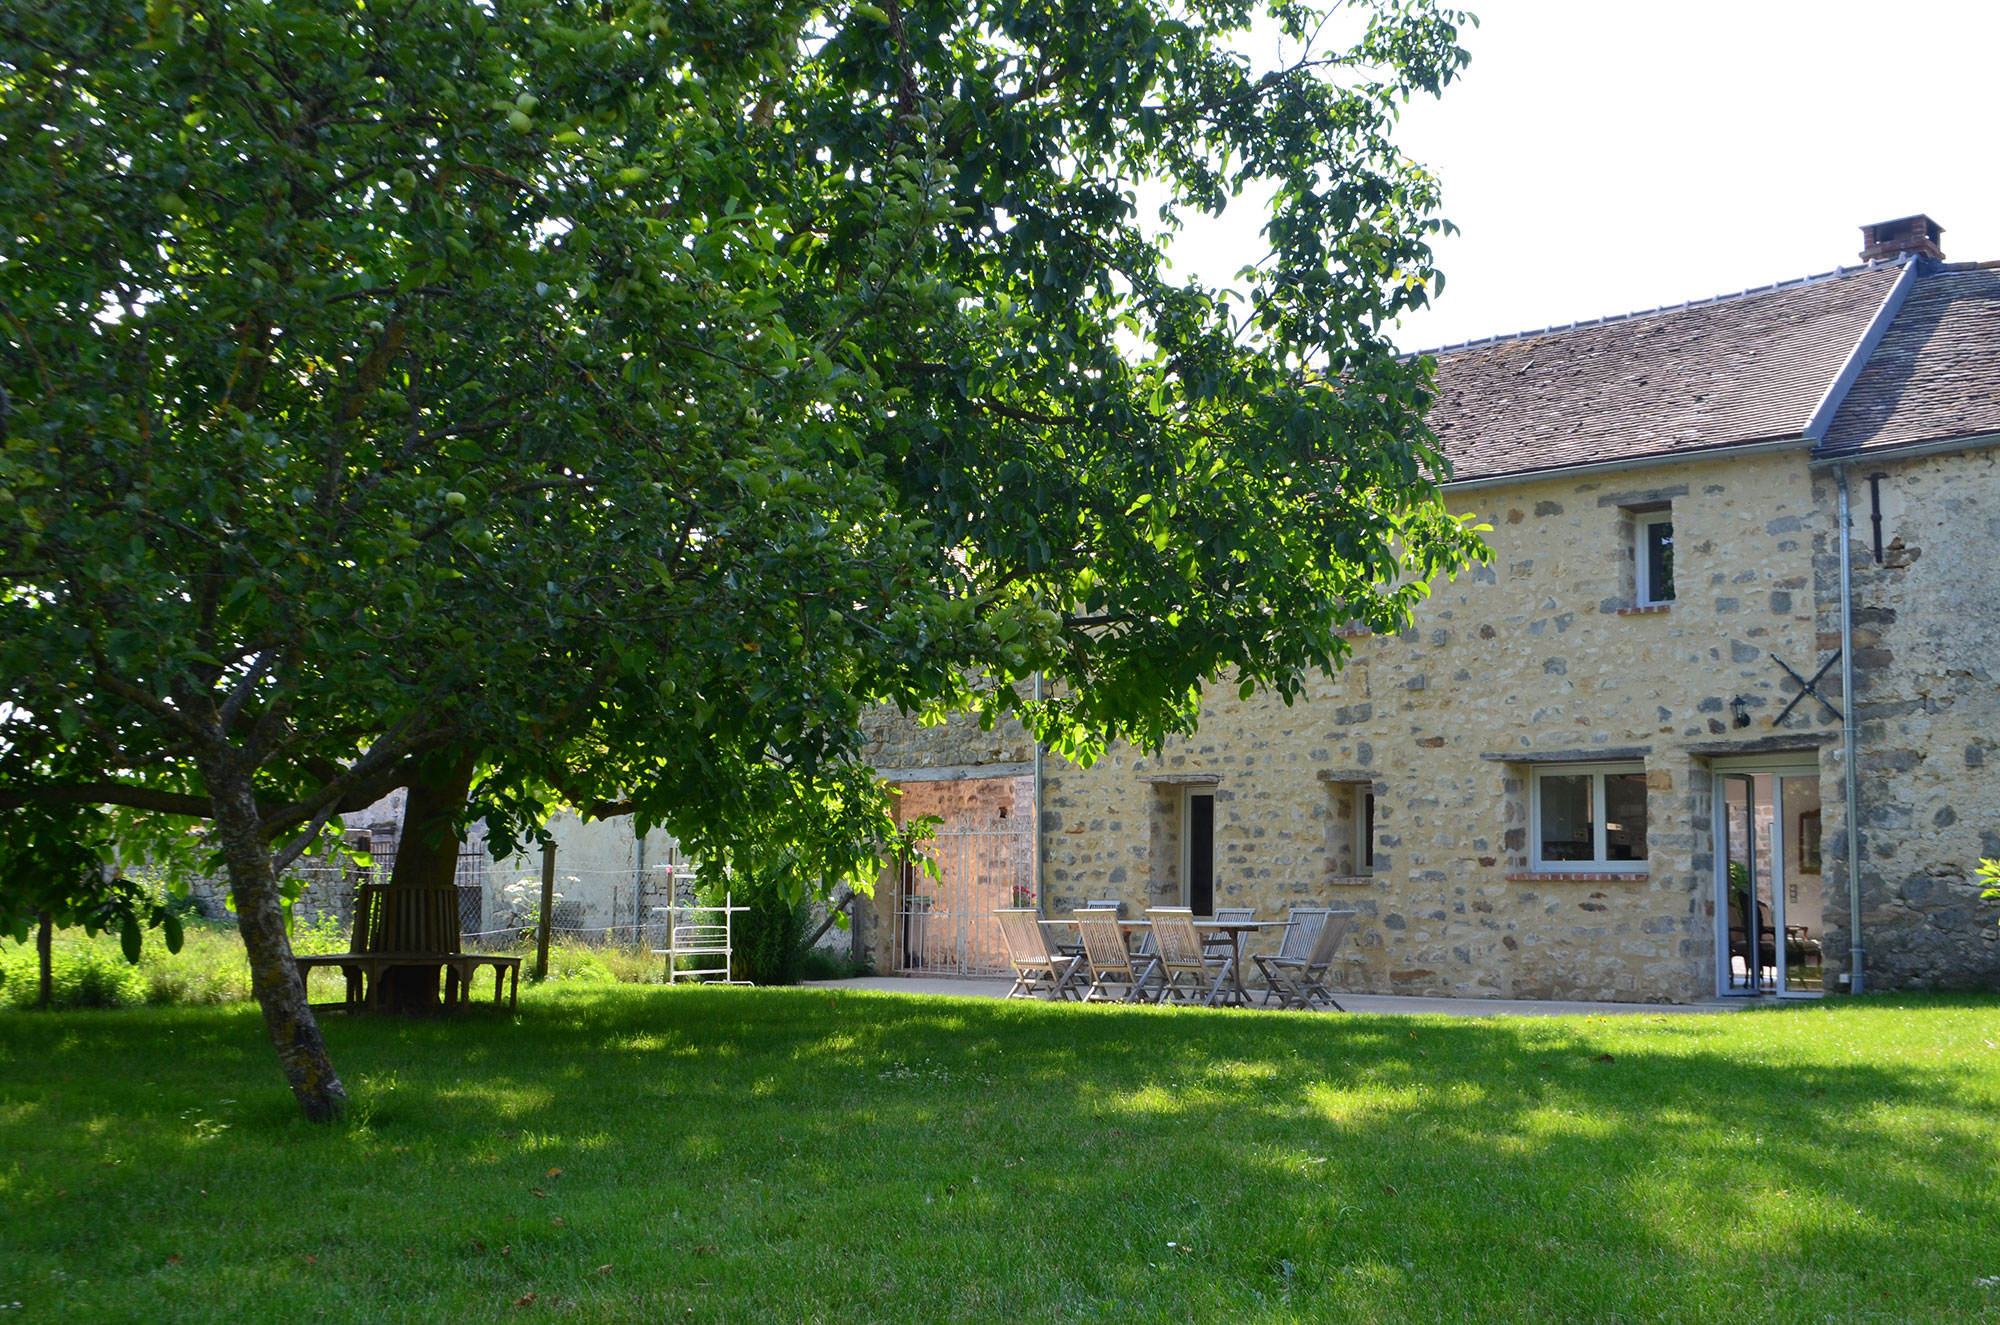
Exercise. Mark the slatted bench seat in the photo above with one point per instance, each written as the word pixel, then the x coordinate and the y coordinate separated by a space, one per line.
pixel 376 950
pixel 363 971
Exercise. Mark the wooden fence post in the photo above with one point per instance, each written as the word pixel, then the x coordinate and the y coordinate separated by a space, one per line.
pixel 548 909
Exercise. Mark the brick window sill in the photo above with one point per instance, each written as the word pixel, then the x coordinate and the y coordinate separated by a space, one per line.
pixel 1651 609
pixel 1578 876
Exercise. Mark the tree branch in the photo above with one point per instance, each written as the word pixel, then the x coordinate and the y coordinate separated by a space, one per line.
pixel 294 848
pixel 107 793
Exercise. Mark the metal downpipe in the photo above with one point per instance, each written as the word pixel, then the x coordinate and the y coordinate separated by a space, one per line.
pixel 1850 737
pixel 1041 902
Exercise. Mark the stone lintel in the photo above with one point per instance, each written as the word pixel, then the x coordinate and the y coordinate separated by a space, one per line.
pixel 1782 743
pixel 1346 775
pixel 1181 779
pixel 957 772
pixel 1596 755
pixel 1641 500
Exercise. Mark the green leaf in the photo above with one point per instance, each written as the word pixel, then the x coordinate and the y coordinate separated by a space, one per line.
pixel 130 937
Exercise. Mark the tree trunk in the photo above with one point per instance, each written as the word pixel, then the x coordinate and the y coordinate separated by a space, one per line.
pixel 274 980
pixel 45 957
pixel 426 858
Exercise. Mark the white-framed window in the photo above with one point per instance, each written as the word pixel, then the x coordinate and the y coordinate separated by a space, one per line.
pixel 1350 828
pixel 1198 849
pixel 1653 551
pixel 1589 817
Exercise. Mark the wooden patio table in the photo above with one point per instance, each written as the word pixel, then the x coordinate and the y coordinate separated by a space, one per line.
pixel 1234 930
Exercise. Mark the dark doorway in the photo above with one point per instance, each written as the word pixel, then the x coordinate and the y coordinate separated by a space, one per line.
pixel 1201 852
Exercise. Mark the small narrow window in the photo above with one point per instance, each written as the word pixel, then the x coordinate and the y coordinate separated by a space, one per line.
pixel 1654 552
pixel 1364 830
pixel 1350 828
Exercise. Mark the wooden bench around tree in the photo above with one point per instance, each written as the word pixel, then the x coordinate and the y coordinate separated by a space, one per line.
pixel 389 934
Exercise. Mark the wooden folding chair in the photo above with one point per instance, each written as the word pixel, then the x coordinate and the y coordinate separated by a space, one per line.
pixel 1111 964
pixel 1295 946
pixel 1072 945
pixel 1301 982
pixel 1036 969
pixel 1190 969
pixel 1222 944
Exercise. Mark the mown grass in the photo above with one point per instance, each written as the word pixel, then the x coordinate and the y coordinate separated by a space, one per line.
pixel 628 1153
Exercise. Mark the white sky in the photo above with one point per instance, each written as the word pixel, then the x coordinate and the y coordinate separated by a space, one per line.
pixel 1602 156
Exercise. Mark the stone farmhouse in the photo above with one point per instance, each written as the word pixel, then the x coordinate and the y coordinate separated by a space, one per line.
pixel 1742 546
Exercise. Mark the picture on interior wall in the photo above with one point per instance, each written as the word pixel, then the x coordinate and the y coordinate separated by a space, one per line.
pixel 1809 841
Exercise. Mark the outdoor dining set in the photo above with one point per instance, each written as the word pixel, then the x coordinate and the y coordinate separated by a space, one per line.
pixel 1172 956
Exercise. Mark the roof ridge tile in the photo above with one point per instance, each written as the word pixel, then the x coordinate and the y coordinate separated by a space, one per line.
pixel 1792 283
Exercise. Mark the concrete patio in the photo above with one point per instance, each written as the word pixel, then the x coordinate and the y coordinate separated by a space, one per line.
pixel 1369 1003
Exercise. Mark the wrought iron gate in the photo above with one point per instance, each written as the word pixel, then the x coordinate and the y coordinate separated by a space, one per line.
pixel 945 925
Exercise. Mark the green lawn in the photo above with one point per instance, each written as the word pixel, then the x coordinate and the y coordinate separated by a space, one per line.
pixel 633 1153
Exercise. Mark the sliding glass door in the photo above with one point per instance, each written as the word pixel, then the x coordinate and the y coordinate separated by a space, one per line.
pixel 1768 895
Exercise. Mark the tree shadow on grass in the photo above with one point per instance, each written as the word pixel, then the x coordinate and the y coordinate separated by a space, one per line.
pixel 854 1156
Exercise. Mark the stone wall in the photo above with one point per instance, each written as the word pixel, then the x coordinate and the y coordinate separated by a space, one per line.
pixel 1543 657
pixel 1926 620
pixel 969 777
pixel 896 742
pixel 1541 653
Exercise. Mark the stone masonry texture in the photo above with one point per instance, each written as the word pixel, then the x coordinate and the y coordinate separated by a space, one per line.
pixel 1540 653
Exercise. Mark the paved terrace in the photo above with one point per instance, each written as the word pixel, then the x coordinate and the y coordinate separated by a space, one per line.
pixel 1372 1003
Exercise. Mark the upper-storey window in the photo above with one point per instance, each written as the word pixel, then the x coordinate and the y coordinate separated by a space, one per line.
pixel 1654 552
pixel 1590 817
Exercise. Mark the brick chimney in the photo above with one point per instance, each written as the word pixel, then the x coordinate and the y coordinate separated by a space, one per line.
pixel 1885 241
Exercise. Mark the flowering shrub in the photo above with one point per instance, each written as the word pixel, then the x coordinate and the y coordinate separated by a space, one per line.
pixel 521 902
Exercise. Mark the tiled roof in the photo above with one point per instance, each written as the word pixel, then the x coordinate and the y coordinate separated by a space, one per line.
pixel 1936 374
pixel 1737 369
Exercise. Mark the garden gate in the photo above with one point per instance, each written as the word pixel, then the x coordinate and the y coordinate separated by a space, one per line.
pixel 945 925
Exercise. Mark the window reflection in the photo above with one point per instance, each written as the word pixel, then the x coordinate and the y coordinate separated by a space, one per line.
pixel 1568 832
pixel 1624 816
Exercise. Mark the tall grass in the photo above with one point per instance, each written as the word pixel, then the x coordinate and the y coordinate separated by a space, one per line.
pixel 211 967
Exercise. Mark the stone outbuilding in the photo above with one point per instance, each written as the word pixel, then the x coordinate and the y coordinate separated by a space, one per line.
pixel 1613 764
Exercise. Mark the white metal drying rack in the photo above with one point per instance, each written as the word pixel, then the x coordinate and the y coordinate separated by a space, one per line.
pixel 703 934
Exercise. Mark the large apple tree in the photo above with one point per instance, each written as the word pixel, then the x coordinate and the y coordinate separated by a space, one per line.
pixel 525 401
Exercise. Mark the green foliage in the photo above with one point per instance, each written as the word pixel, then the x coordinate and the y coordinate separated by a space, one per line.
pixel 823 964
pixel 211 969
pixel 630 393
pixel 767 940
pixel 58 862
pixel 580 962
pixel 85 975
pixel 1989 873
pixel 619 397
